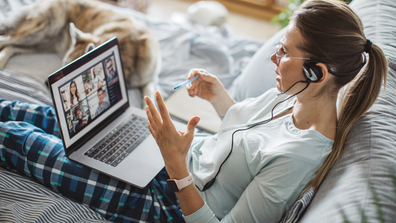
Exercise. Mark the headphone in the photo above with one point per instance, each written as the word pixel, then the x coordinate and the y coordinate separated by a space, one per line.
pixel 313 72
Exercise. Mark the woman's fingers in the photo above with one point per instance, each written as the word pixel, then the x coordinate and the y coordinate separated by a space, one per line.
pixel 162 109
pixel 153 133
pixel 190 90
pixel 152 124
pixel 155 116
pixel 161 119
pixel 193 72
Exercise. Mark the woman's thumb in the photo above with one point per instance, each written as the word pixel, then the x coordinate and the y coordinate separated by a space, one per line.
pixel 192 124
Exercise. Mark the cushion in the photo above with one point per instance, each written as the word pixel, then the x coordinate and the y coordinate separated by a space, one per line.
pixel 362 177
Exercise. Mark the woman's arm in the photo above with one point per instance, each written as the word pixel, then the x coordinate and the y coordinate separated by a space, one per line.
pixel 270 193
pixel 174 146
pixel 209 87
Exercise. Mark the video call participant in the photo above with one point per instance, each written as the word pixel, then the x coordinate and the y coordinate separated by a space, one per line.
pixel 96 79
pixel 88 87
pixel 74 95
pixel 80 122
pixel 103 105
pixel 111 71
pixel 114 89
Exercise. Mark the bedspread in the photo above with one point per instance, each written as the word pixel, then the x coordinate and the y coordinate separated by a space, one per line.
pixel 183 46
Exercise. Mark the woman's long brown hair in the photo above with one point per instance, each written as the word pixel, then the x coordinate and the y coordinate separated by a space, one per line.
pixel 333 34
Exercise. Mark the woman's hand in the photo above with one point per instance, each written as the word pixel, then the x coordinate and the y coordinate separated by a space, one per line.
pixel 173 144
pixel 209 87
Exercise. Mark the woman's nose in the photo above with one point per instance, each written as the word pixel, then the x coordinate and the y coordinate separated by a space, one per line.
pixel 273 58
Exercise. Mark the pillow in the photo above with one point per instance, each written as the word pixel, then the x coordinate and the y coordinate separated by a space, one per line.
pixel 259 74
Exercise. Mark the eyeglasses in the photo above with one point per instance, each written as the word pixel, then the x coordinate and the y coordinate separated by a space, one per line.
pixel 280 53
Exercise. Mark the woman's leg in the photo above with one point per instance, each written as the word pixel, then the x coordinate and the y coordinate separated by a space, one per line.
pixel 43 117
pixel 39 155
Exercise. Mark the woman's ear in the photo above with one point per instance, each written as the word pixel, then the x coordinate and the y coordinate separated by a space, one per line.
pixel 324 70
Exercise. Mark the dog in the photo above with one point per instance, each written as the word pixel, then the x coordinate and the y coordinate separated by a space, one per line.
pixel 71 28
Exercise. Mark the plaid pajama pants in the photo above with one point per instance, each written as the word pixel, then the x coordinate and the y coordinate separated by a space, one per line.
pixel 30 144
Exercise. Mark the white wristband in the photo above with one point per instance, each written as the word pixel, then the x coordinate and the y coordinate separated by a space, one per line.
pixel 178 185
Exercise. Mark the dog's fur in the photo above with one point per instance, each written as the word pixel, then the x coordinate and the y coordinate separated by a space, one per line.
pixel 48 26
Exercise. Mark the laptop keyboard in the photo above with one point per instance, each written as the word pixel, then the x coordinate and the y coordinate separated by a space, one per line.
pixel 121 142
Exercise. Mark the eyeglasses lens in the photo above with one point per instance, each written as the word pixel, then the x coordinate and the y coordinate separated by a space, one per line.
pixel 278 53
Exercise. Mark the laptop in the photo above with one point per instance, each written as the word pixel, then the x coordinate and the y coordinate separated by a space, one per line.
pixel 98 126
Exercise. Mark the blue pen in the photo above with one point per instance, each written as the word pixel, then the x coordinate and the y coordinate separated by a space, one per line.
pixel 185 82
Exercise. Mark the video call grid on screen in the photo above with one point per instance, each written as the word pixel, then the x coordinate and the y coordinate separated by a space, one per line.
pixel 82 113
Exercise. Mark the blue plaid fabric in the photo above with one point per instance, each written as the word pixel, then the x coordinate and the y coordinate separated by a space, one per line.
pixel 30 144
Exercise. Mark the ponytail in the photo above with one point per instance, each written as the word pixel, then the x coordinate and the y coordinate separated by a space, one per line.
pixel 358 97
pixel 341 46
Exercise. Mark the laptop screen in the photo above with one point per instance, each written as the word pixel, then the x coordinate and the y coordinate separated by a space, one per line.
pixel 88 91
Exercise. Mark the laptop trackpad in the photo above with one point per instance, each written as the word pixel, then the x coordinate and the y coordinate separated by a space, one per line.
pixel 142 165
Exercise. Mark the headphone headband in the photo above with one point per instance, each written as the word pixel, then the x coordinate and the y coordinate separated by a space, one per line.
pixel 349 73
pixel 314 73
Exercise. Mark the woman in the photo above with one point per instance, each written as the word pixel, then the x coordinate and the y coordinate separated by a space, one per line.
pixel 313 61
pixel 267 150
pixel 74 95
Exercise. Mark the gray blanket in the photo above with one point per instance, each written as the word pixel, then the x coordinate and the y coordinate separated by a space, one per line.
pixel 23 200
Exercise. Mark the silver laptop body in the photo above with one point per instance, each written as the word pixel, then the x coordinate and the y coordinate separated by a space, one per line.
pixel 99 128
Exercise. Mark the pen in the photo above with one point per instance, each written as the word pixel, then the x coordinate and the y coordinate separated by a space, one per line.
pixel 185 82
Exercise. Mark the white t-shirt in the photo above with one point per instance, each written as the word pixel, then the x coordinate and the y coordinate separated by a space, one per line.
pixel 269 166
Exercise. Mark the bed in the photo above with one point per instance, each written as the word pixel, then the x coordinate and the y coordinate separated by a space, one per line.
pixel 182 47
pixel 359 187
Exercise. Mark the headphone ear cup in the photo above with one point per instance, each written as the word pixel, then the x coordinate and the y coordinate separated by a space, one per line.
pixel 312 71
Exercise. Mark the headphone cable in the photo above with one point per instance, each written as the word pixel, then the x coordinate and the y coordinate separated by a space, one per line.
pixel 211 182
